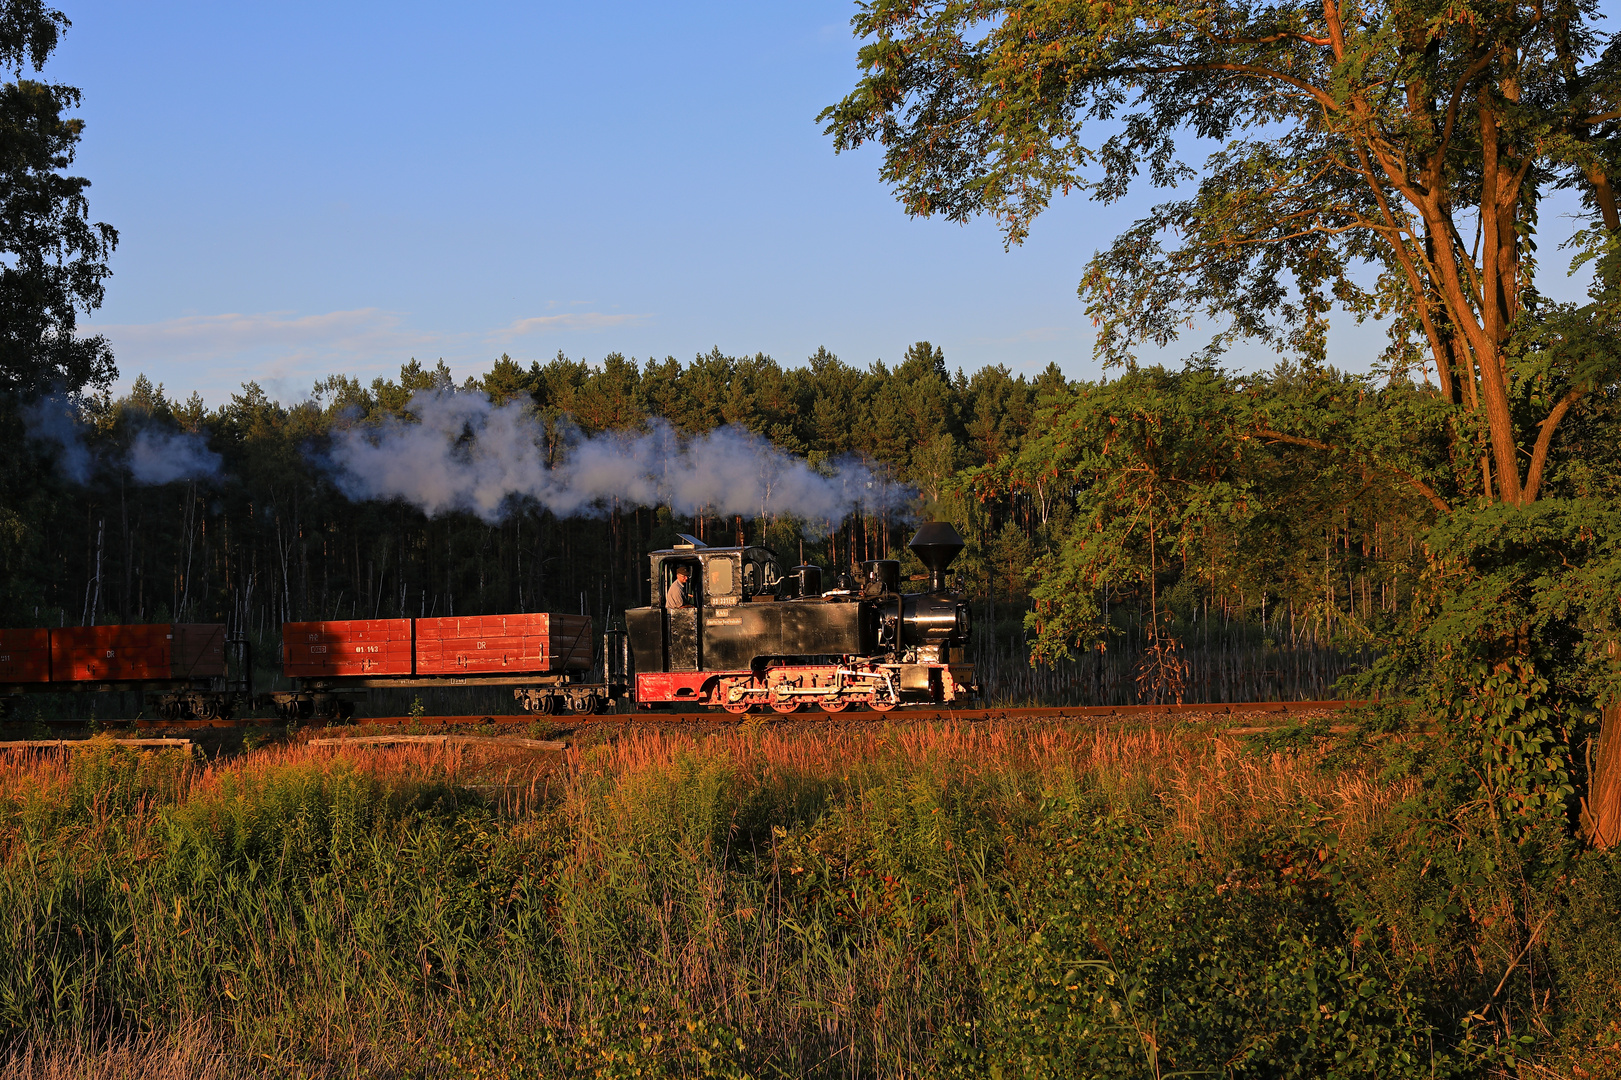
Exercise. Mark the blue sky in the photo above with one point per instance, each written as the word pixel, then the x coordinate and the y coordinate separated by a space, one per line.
pixel 304 189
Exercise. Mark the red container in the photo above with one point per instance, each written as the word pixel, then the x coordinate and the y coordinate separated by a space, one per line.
pixel 25 656
pixel 149 651
pixel 346 647
pixel 495 644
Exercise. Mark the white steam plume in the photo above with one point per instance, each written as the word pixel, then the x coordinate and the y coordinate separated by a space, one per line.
pixel 55 420
pixel 162 457
pixel 155 456
pixel 467 454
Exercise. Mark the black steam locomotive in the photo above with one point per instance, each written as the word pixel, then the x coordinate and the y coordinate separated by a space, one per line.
pixel 745 634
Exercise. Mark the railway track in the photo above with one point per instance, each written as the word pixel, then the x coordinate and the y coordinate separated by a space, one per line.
pixel 1259 710
pixel 1225 719
pixel 926 714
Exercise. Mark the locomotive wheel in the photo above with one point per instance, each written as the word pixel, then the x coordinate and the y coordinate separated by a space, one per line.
pixel 882 704
pixel 546 704
pixel 288 710
pixel 785 706
pixel 206 708
pixel 738 707
pixel 835 705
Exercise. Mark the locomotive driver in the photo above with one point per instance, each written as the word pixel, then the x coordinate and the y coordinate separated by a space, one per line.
pixel 676 596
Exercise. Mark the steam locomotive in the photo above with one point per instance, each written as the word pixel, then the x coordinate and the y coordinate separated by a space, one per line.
pixel 744 635
pixel 751 636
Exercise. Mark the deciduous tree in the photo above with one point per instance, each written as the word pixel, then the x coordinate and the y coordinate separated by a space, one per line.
pixel 53 259
pixel 1412 136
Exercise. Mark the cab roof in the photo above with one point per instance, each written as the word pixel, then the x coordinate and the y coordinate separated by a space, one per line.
pixel 686 550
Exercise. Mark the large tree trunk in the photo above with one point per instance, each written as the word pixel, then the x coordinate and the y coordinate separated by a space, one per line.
pixel 1601 810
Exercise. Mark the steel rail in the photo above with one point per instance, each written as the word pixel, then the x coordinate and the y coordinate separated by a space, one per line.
pixel 907 713
pixel 653 716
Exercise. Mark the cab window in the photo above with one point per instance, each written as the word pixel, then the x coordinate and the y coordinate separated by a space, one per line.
pixel 694 581
pixel 719 582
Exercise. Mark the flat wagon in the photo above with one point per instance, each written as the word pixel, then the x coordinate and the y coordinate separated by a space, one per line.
pixel 183 668
pixel 544 657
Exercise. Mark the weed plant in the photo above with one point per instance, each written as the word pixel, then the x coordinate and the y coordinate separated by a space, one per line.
pixel 910 900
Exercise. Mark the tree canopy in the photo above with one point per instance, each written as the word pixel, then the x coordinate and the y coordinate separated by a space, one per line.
pixel 53 259
pixel 1412 137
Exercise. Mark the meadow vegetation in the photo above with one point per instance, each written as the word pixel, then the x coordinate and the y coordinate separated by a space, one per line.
pixel 910 900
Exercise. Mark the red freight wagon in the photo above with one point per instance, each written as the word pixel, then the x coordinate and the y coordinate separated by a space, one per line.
pixel 25 656
pixel 346 647
pixel 480 644
pixel 542 657
pixel 150 651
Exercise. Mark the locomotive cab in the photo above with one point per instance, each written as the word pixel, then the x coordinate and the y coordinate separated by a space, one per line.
pixel 734 630
pixel 670 636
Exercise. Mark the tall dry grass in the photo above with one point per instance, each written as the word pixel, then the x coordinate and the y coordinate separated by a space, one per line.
pixel 765 899
pixel 191 1052
pixel 1207 782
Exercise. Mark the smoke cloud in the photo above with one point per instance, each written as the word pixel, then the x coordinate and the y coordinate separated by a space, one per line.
pixel 162 457
pixel 155 456
pixel 467 454
pixel 55 420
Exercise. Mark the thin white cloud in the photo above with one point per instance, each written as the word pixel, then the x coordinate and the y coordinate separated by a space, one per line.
pixel 360 331
pixel 578 320
pixel 284 351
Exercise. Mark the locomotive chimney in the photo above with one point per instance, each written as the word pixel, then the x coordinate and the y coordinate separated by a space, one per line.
pixel 935 545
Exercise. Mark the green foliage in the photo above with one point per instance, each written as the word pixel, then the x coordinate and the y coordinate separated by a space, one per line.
pixel 1212 486
pixel 1507 645
pixel 707 917
pixel 1349 134
pixel 55 259
pixel 1134 958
